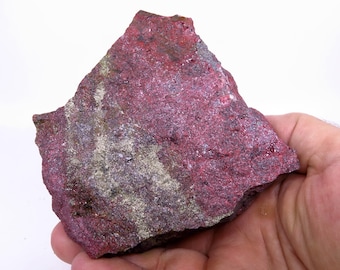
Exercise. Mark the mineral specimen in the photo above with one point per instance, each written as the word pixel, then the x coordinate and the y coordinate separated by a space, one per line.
pixel 156 141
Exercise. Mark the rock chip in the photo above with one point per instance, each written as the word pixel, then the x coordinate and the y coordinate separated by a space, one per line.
pixel 156 142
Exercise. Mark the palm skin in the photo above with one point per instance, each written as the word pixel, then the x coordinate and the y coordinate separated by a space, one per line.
pixel 294 224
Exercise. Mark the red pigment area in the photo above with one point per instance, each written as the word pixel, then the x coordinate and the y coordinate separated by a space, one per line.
pixel 174 88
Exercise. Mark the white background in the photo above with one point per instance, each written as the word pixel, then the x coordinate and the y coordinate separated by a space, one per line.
pixel 284 57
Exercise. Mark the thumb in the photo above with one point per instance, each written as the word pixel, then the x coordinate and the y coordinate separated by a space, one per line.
pixel 317 143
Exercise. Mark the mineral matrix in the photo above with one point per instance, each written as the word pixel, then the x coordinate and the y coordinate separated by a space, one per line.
pixel 156 141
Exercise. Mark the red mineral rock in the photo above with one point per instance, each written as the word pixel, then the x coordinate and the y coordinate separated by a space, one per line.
pixel 156 141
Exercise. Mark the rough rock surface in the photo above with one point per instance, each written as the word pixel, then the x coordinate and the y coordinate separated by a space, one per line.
pixel 156 141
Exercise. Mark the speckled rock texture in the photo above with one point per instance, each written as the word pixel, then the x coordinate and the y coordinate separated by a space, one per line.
pixel 156 142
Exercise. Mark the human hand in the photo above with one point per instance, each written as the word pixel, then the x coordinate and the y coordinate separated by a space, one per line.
pixel 294 224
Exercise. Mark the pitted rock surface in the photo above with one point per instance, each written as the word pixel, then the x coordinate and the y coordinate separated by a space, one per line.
pixel 156 142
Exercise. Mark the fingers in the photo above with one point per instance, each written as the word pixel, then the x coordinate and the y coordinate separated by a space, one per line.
pixel 170 259
pixel 83 262
pixel 72 253
pixel 63 246
pixel 314 140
